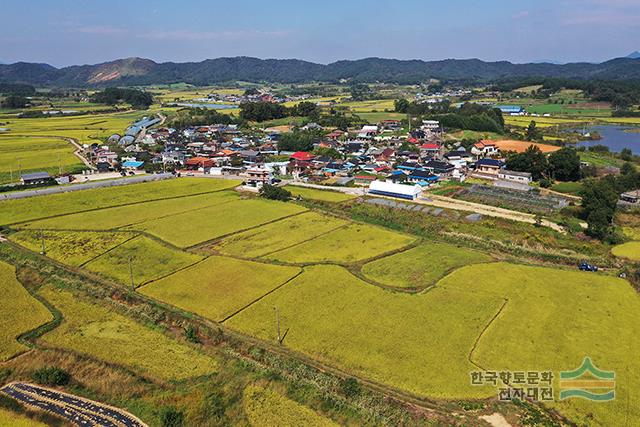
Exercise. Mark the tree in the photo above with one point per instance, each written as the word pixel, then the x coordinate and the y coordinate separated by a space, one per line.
pixel 298 140
pixel 599 202
pixel 273 192
pixel 533 134
pixel 626 154
pixel 14 101
pixel 51 376
pixel 401 105
pixel 532 160
pixel 564 164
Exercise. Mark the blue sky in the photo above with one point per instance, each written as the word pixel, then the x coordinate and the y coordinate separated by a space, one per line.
pixel 65 32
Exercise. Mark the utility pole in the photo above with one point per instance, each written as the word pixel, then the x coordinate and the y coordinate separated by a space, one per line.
pixel 44 249
pixel 133 286
pixel 278 323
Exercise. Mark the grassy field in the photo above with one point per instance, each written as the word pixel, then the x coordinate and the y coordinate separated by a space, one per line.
pixel 278 235
pixel 632 232
pixel 14 211
pixel 19 312
pixel 8 418
pixel 353 243
pixel 629 250
pixel 70 247
pixel 23 154
pixel 267 408
pixel 122 216
pixel 542 122
pixel 421 266
pixel 567 187
pixel 600 160
pixel 102 333
pixel 190 228
pixel 149 260
pixel 219 286
pixel 322 195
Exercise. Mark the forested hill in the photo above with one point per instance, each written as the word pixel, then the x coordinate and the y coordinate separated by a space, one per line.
pixel 137 71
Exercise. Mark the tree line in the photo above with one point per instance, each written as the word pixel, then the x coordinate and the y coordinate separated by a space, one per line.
pixel 469 116
pixel 137 98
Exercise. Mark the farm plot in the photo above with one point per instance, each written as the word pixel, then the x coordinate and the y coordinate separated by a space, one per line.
pixel 315 194
pixel 353 243
pixel 219 286
pixel 552 320
pixel 149 260
pixel 21 210
pixel 421 266
pixel 267 408
pixel 629 250
pixel 416 342
pixel 19 312
pixel 100 332
pixel 122 216
pixel 278 235
pixel 22 155
pixel 70 247
pixel 8 418
pixel 190 228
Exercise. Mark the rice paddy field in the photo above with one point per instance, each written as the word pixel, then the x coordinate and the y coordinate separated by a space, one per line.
pixel 629 250
pixel 100 332
pixel 22 210
pixel 421 266
pixel 219 286
pixel 267 408
pixel 8 418
pixel 322 195
pixel 19 313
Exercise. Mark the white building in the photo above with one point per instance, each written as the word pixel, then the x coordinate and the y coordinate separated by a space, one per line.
pixel 384 188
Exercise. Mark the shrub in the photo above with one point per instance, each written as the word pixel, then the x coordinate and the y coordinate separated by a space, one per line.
pixel 171 417
pixel 350 387
pixel 275 193
pixel 51 376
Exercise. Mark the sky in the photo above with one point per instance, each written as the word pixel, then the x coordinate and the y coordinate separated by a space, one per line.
pixel 72 32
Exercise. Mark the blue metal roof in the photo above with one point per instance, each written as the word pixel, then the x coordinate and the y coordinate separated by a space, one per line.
pixel 132 164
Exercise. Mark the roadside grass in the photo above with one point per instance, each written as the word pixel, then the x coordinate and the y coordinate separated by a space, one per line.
pixel 19 312
pixel 219 286
pixel 100 332
pixel 315 194
pixel 421 266
pixel 121 216
pixel 567 187
pixel 8 418
pixel 418 343
pixel 29 209
pixel 70 247
pixel 629 250
pixel 278 235
pixel 23 154
pixel 553 320
pixel 355 242
pixel 149 260
pixel 190 228
pixel 267 408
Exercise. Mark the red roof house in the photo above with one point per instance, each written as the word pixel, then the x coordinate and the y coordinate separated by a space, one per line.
pixel 302 156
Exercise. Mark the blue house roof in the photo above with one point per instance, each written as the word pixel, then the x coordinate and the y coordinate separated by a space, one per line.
pixel 132 164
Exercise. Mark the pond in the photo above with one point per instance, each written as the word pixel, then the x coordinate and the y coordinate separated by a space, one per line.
pixel 614 137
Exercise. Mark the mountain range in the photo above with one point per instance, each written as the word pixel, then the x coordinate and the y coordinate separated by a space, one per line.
pixel 139 71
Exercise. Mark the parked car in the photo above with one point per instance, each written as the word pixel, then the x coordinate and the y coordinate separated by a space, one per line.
pixel 585 266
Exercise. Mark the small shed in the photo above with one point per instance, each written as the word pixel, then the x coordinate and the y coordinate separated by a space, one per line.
pixel 401 191
pixel 35 178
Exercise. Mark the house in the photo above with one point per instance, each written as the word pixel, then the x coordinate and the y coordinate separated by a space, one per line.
pixel 512 110
pixel 258 176
pixel 401 191
pixel 430 149
pixel 422 178
pixel 364 180
pixel 631 197
pixel 430 125
pixel 132 165
pixel 391 125
pixel 175 157
pixel 520 177
pixel 35 178
pixel 302 156
pixel 199 163
pixel 439 168
pixel 489 167
pixel 484 148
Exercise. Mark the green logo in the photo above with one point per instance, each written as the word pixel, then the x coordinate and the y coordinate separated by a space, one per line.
pixel 588 382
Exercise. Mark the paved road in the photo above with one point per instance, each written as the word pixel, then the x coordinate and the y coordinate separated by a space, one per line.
pixel 85 186
pixel 77 410
pixel 448 203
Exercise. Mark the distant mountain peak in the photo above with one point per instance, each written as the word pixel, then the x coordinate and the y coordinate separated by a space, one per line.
pixel 634 55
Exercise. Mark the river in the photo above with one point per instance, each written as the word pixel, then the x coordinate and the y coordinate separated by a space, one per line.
pixel 615 137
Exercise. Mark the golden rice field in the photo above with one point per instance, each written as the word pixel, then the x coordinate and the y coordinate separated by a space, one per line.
pixel 129 215
pixel 8 418
pixel 21 210
pixel 267 408
pixel 148 259
pixel 70 247
pixel 543 122
pixel 322 195
pixel 421 266
pixel 355 242
pixel 98 331
pixel 278 235
pixel 193 227
pixel 629 250
pixel 19 312
pixel 218 286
